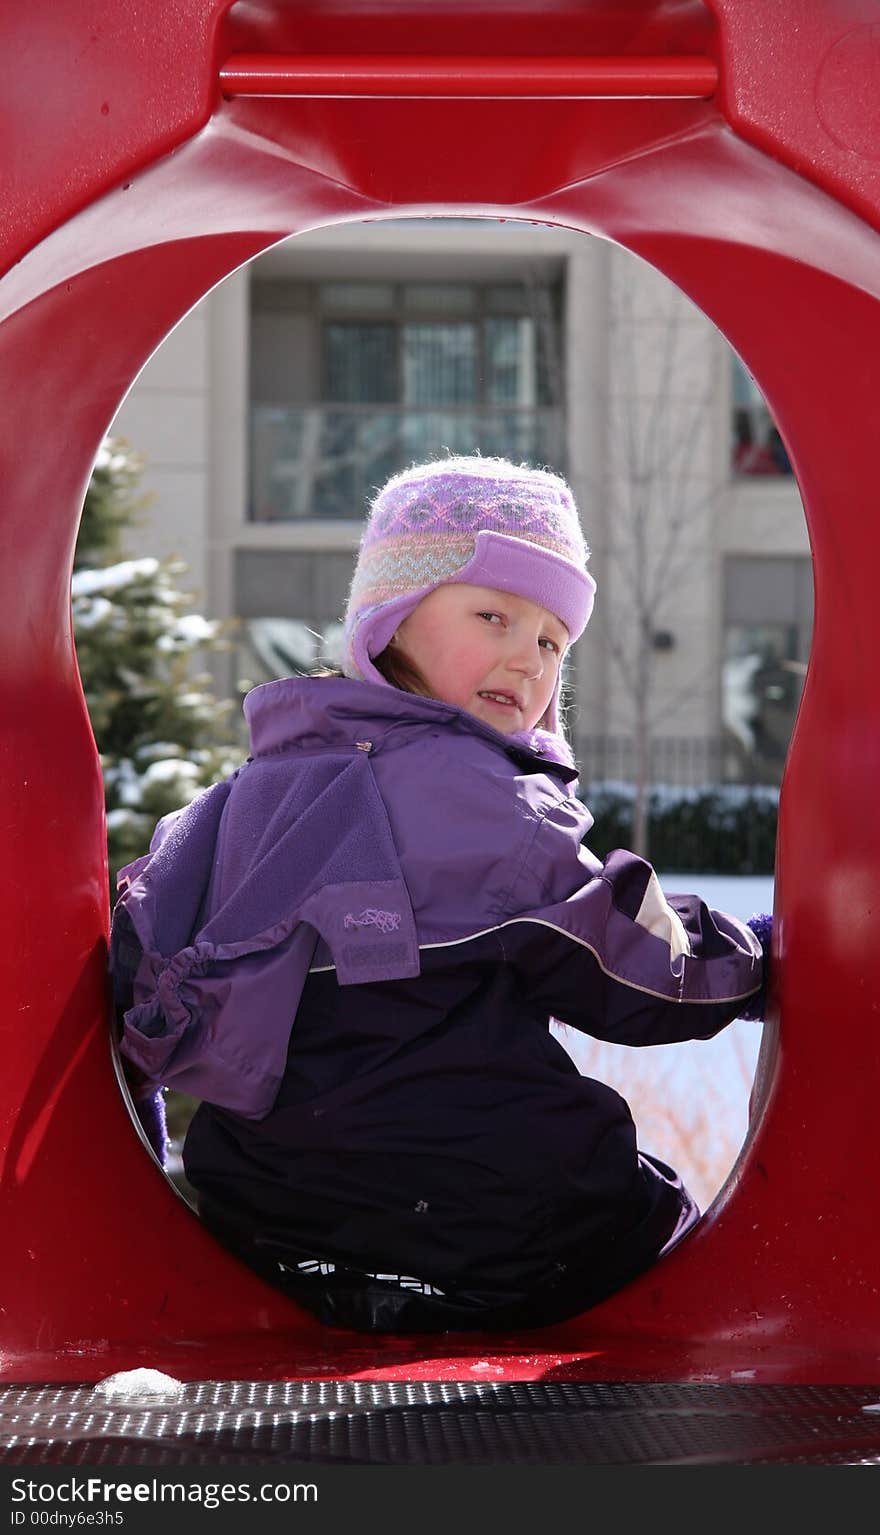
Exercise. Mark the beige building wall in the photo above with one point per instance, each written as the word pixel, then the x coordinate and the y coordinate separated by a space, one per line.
pixel 167 419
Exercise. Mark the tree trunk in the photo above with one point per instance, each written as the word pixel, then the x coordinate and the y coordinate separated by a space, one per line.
pixel 640 818
pixel 642 738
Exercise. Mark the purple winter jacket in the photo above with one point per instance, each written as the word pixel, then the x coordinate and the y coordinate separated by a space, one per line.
pixel 351 951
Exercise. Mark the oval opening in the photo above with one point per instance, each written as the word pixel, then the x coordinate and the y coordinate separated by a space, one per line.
pixel 285 398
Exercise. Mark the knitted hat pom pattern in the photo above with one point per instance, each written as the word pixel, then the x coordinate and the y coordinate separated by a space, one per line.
pixel 423 523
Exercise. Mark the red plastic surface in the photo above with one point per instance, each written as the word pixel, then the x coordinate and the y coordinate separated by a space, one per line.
pixel 762 204
pixel 266 74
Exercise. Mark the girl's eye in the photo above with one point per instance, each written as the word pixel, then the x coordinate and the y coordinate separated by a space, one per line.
pixel 553 645
pixel 490 616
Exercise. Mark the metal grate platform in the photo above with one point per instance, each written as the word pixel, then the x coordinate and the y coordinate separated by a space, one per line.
pixel 352 1423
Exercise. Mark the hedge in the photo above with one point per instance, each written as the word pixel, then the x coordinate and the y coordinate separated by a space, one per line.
pixel 714 829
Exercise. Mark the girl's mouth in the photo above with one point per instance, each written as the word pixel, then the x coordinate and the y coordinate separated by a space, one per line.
pixel 503 700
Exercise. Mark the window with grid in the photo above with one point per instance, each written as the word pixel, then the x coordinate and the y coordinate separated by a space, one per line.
pixel 407 371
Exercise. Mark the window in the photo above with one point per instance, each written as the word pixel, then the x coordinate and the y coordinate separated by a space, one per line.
pixel 360 362
pixel 756 446
pixel 768 608
pixel 284 647
pixel 498 360
pixel 461 367
pixel 439 363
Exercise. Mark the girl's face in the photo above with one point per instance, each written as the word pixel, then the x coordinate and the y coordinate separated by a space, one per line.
pixel 490 652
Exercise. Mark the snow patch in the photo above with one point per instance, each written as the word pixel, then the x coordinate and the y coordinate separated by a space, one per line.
pixel 111 578
pixel 90 612
pixel 140 1386
pixel 170 768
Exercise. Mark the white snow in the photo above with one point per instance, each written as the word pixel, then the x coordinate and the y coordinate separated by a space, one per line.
pixel 113 455
pixel 169 769
pixel 112 577
pixel 194 628
pixel 665 795
pixel 189 629
pixel 92 610
pixel 126 782
pixel 153 750
pixel 140 1386
pixel 690 1101
pixel 740 894
pixel 122 820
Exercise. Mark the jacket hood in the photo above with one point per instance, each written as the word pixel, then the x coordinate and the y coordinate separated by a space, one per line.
pixel 334 711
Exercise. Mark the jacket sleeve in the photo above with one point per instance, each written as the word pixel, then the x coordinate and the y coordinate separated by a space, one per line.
pixel 610 954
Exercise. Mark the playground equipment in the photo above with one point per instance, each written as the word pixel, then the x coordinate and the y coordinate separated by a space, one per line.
pixel 148 150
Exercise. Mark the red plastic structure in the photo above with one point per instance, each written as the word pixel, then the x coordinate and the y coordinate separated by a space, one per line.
pixel 147 149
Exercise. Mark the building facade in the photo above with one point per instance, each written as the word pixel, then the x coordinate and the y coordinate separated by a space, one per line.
pixel 272 413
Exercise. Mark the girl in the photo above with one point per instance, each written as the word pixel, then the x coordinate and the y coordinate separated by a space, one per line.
pixel 351 951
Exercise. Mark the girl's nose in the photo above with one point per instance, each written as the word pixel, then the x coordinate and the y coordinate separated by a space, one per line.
pixel 528 659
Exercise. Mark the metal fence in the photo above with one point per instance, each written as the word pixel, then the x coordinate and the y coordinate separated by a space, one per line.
pixel 700 817
pixel 690 761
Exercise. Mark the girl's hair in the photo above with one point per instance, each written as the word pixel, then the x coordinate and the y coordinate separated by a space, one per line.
pixel 398 670
pixel 395 667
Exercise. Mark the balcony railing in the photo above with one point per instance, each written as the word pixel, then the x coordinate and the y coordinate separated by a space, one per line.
pixel 679 761
pixel 328 460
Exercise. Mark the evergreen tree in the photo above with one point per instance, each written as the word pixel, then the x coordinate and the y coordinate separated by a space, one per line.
pixel 161 734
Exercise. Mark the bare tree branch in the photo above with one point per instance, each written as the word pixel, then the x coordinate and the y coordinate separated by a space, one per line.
pixel 684 694
pixel 655 441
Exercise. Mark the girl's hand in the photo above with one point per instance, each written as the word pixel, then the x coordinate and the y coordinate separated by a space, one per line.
pixel 149 1105
pixel 150 1110
pixel 761 924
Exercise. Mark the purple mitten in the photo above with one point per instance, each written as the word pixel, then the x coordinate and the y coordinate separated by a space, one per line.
pixel 761 924
pixel 149 1105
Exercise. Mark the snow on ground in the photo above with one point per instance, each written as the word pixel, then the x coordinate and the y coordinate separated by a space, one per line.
pixel 740 894
pixel 689 1101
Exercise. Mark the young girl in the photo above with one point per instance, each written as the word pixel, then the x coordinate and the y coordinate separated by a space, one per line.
pixel 352 950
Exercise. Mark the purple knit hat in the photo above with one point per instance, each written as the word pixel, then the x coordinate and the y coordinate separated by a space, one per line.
pixel 484 521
